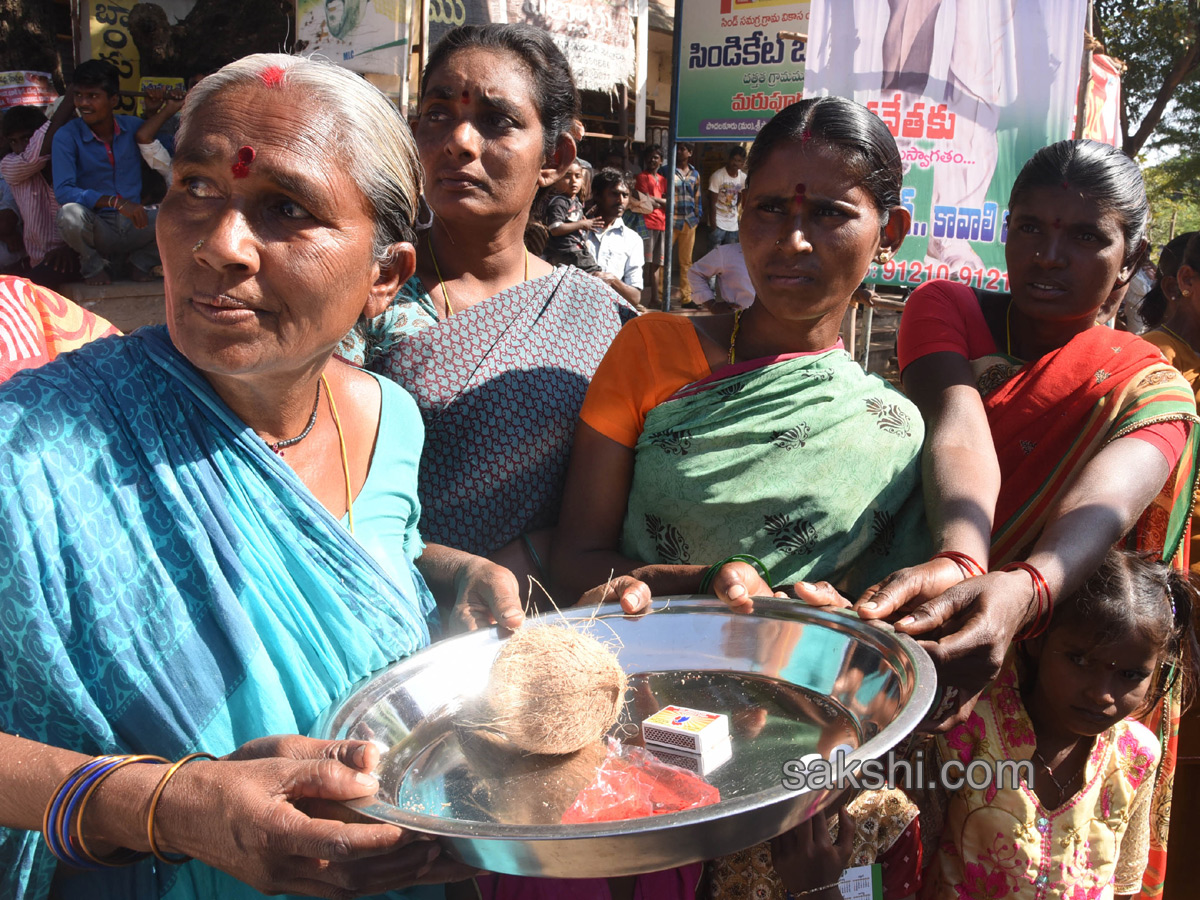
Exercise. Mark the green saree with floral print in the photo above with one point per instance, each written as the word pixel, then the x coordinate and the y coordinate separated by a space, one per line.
pixel 803 461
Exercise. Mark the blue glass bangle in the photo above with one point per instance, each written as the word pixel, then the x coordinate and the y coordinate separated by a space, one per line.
pixel 68 811
pixel 50 821
pixel 124 855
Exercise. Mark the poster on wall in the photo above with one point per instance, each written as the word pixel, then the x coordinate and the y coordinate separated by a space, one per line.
pixel 26 89
pixel 970 89
pixel 741 63
pixel 362 35
pixel 596 36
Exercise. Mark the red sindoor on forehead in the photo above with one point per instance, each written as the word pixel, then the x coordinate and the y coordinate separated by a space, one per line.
pixel 800 191
pixel 272 76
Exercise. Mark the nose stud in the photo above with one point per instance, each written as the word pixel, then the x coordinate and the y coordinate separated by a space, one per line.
pixel 196 247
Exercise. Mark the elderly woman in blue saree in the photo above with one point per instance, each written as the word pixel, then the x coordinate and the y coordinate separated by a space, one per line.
pixel 208 531
pixel 755 435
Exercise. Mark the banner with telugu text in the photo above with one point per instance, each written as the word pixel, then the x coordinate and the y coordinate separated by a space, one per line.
pixel 970 89
pixel 736 69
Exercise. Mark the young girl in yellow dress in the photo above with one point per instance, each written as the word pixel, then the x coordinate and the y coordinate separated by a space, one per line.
pixel 1080 829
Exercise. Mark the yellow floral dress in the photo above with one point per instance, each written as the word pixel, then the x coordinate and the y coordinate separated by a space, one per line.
pixel 1001 842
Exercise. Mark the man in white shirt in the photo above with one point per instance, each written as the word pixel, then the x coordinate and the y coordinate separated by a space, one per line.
pixel 616 247
pixel 727 266
pixel 725 198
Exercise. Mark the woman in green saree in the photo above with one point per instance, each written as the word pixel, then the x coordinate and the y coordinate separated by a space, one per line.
pixel 755 433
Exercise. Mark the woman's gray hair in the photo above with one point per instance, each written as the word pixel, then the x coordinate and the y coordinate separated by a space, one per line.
pixel 366 134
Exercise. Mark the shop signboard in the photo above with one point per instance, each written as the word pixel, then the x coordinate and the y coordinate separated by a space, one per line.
pixel 741 62
pixel 970 89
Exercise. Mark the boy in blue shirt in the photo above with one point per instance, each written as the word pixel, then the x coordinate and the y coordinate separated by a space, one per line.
pixel 98 180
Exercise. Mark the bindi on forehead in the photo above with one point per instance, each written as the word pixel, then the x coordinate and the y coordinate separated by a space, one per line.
pixel 245 156
pixel 466 97
pixel 800 193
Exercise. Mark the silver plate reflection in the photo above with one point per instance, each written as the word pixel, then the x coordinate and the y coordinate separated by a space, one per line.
pixel 793 680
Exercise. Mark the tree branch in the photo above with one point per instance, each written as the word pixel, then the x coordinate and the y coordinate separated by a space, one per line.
pixel 1182 68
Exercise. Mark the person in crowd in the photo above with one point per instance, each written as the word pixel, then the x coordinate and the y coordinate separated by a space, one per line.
pixel 165 106
pixel 615 246
pixel 657 492
pixel 1163 300
pixel 577 132
pixel 753 434
pixel 1080 827
pixel 1050 437
pixel 725 188
pixel 722 269
pixel 26 171
pixel 13 258
pixel 209 528
pixel 566 224
pixel 688 211
pixel 36 325
pixel 654 223
pixel 1175 328
pixel 496 346
pixel 98 180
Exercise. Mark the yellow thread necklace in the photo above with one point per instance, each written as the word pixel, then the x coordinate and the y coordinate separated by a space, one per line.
pixel 442 281
pixel 737 321
pixel 337 423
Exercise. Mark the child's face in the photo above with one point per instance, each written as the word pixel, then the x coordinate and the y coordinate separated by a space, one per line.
pixel 1084 687
pixel 570 183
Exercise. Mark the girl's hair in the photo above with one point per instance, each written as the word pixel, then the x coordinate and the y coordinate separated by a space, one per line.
pixel 554 92
pixel 1154 305
pixel 860 137
pixel 1134 593
pixel 362 132
pixel 1099 171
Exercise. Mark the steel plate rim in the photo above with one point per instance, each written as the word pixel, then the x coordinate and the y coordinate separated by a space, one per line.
pixel 923 675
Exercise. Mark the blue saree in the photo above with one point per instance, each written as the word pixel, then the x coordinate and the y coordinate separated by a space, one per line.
pixel 167 585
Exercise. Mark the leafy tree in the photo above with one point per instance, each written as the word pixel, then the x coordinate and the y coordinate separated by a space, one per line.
pixel 1159 40
pixel 1176 209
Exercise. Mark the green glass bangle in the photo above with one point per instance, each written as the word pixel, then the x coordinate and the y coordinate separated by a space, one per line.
pixel 711 572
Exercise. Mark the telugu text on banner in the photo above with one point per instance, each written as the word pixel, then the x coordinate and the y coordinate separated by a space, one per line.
pixel 970 89
pixel 740 64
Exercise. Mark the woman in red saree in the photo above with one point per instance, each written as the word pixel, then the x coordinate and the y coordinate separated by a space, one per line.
pixel 1049 438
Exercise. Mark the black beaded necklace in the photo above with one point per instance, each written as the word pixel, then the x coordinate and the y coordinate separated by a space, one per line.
pixel 312 420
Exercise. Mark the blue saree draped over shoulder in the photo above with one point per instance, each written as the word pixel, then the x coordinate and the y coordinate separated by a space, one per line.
pixel 167 585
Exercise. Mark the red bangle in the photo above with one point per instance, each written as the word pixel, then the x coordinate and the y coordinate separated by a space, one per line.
pixel 1041 593
pixel 966 564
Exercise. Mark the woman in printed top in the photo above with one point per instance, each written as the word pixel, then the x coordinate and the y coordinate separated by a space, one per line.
pixel 754 432
pixel 496 346
pixel 1080 827
pixel 1050 438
